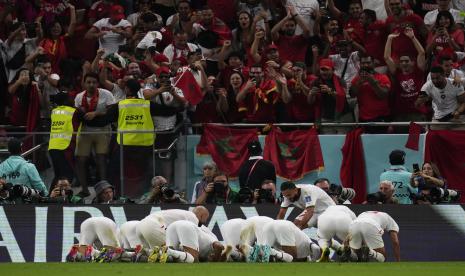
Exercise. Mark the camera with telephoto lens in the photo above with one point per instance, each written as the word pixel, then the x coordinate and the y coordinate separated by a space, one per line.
pixel 342 194
pixel 376 198
pixel 219 189
pixel 166 191
pixel 25 192
pixel 266 195
pixel 245 195
pixel 438 195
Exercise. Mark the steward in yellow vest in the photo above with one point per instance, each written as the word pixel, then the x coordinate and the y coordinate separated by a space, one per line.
pixel 64 121
pixel 133 114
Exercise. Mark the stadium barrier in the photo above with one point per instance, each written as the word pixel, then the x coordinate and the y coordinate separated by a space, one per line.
pixel 44 233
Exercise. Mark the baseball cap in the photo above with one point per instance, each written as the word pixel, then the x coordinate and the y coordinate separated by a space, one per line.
pixel 326 63
pixel 117 12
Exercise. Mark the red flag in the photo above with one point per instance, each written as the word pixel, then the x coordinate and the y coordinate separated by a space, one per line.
pixel 446 148
pixel 189 86
pixel 293 153
pixel 227 146
pixel 414 132
pixel 353 165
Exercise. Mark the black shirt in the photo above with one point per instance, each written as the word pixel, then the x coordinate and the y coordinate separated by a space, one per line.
pixel 263 170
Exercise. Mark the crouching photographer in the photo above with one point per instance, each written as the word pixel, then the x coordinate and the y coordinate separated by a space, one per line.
pixel 266 194
pixel 384 195
pixel 218 192
pixel 339 194
pixel 61 192
pixel 161 193
pixel 17 193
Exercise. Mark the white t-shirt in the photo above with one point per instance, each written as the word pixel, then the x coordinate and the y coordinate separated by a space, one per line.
pixel 444 100
pixel 430 17
pixel 172 215
pixel 111 41
pixel 105 98
pixel 149 40
pixel 133 17
pixel 310 196
pixel 305 8
pixel 170 51
pixel 381 220
pixel 340 209
pixel 353 66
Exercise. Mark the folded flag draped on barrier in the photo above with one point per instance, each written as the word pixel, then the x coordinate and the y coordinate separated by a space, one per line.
pixel 446 148
pixel 189 86
pixel 294 153
pixel 353 165
pixel 227 146
pixel 414 132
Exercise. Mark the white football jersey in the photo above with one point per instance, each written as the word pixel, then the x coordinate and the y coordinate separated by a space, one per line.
pixel 381 220
pixel 171 215
pixel 310 196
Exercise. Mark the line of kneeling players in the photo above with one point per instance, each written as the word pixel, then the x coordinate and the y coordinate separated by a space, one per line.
pixel 176 235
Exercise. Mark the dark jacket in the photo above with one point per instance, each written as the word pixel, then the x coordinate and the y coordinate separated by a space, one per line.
pixel 263 170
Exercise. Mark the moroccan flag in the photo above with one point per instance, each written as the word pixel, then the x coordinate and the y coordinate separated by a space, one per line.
pixel 446 148
pixel 353 165
pixel 189 86
pixel 227 146
pixel 293 153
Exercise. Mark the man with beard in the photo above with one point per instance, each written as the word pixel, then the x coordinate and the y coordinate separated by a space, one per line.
pixel 407 79
pixel 397 22
pixel 448 99
pixel 182 20
pixel 291 47
pixel 313 200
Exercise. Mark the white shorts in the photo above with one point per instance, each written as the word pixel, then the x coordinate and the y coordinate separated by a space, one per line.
pixel 278 233
pixel 151 231
pixel 362 231
pixel 128 237
pixel 332 225
pixel 101 228
pixel 231 231
pixel 182 233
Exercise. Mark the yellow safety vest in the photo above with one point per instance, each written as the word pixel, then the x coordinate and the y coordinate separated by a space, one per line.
pixel 62 129
pixel 134 114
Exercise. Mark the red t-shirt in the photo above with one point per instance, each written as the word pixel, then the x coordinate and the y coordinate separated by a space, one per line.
pixel 403 45
pixel 375 39
pixel 405 92
pixel 292 48
pixel 299 110
pixel 443 42
pixel 206 112
pixel 372 107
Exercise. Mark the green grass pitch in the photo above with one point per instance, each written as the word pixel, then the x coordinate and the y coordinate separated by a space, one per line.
pixel 235 269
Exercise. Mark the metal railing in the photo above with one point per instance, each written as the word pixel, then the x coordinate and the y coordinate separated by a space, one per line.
pixel 380 124
pixel 23 135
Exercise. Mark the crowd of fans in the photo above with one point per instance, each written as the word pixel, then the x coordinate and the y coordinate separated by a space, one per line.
pixel 269 61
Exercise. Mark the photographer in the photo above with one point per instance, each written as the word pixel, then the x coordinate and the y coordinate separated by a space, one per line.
pixel 62 193
pixel 384 195
pixel 339 194
pixel 432 187
pixel 161 193
pixel 266 194
pixel 218 192
pixel 17 170
pixel 5 192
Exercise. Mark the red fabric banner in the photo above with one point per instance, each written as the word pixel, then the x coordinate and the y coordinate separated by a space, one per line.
pixel 353 165
pixel 414 132
pixel 293 153
pixel 227 146
pixel 446 148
